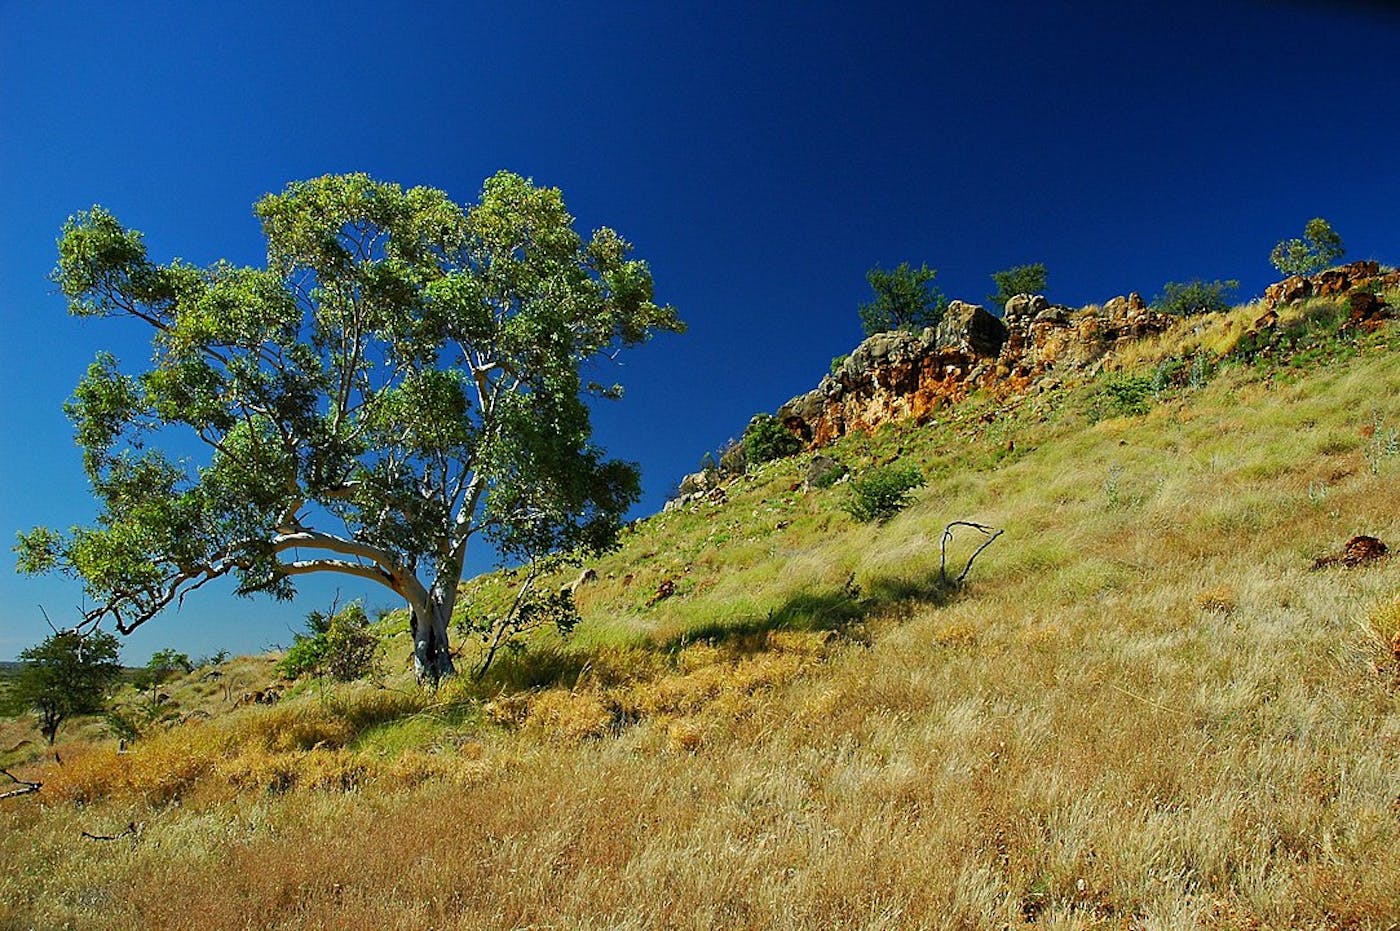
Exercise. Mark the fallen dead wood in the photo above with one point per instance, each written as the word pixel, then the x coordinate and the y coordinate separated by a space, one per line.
pixel 131 831
pixel 25 786
pixel 991 533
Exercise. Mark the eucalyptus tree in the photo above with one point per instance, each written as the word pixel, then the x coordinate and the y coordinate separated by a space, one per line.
pixel 404 376
pixel 905 299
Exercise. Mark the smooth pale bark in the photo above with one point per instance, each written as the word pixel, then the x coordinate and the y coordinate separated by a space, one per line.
pixel 432 655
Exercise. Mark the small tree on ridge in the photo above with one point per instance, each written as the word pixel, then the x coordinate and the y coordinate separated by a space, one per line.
pixel 1319 248
pixel 905 299
pixel 66 675
pixel 1020 279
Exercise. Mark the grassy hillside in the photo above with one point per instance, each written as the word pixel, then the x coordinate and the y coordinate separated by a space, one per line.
pixel 1146 709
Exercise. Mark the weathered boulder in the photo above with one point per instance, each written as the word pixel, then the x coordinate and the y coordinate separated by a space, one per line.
pixel 1024 305
pixel 824 471
pixel 969 329
pixel 1329 283
pixel 1368 312
pixel 696 482
pixel 1343 279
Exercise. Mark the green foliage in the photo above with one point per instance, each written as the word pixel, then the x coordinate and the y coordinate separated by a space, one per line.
pixel 403 376
pixel 1195 297
pixel 1319 248
pixel 883 492
pixel 340 645
pixel 1020 279
pixel 1122 395
pixel 162 666
pixel 529 610
pixel 838 362
pixel 905 299
pixel 766 439
pixel 66 675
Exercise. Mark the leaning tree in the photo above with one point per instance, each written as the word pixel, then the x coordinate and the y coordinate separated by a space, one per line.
pixel 405 375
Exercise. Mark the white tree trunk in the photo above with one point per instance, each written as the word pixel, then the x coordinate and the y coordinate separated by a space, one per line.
pixel 432 655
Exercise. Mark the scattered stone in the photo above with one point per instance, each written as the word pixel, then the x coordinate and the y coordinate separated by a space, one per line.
pixel 586 577
pixel 1360 550
pixel 663 591
pixel 1024 305
pixel 1368 312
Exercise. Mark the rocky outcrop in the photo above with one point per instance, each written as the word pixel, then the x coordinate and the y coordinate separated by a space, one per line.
pixel 1332 282
pixel 908 376
pixel 911 376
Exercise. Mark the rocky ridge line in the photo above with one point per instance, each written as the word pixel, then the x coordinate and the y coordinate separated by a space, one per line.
pixel 898 375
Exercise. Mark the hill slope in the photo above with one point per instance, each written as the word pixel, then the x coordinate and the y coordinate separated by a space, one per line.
pixel 1148 708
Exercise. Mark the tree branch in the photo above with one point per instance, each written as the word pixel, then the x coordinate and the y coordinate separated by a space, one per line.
pixel 990 532
pixel 318 540
pixel 25 787
pixel 344 566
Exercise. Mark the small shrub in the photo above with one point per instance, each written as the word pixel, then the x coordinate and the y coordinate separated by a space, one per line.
pixel 1183 299
pixel 837 363
pixel 766 439
pixel 882 493
pixel 1121 395
pixel 340 645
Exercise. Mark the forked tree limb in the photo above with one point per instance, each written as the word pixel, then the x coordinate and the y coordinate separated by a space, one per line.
pixel 991 533
pixel 25 787
pixel 131 831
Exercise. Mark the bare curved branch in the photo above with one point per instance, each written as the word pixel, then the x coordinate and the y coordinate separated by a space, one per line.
pixel 991 533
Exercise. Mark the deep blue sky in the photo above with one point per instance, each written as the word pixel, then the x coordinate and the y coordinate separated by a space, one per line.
pixel 761 157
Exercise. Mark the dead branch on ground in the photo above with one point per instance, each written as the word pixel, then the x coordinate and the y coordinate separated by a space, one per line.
pixel 25 787
pixel 991 533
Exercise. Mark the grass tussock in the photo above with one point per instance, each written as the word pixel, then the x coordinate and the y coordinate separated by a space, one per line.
pixel 1145 710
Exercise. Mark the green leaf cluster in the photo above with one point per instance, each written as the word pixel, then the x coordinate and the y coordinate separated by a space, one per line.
pixel 766 439
pixel 68 674
pixel 905 299
pixel 1319 248
pixel 1183 299
pixel 883 492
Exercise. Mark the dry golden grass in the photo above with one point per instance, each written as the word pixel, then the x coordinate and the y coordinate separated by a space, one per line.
pixel 1146 711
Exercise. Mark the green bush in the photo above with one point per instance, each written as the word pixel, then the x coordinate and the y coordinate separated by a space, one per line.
pixel 766 439
pixel 1319 248
pixel 340 645
pixel 1121 395
pixel 882 493
pixel 1195 297
pixel 905 299
pixel 1022 279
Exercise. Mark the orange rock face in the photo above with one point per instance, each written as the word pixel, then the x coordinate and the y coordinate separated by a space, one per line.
pixel 907 376
pixel 903 376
